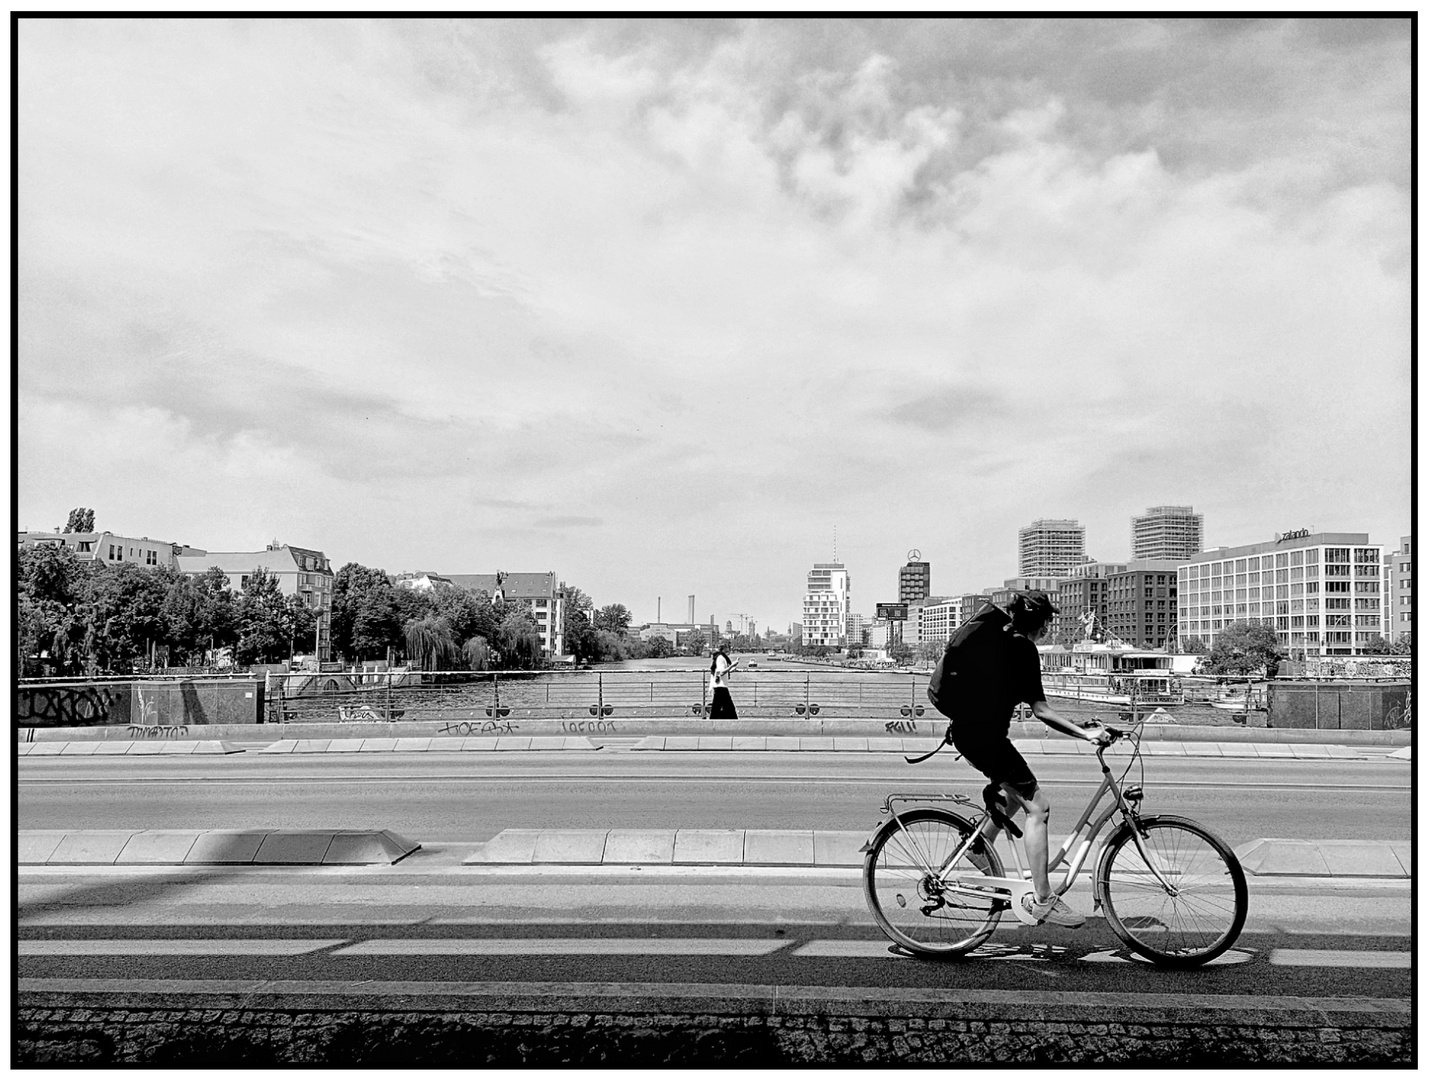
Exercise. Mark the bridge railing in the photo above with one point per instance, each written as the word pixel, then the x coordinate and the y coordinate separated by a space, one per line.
pixel 465 696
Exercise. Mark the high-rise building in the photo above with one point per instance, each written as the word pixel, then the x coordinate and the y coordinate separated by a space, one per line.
pixel 1167 532
pixel 826 605
pixel 1050 549
pixel 1320 592
pixel 914 579
pixel 1399 591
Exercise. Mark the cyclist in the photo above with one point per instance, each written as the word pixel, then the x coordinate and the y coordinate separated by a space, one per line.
pixel 997 668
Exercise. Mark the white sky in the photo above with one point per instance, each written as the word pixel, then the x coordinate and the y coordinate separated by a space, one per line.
pixel 659 305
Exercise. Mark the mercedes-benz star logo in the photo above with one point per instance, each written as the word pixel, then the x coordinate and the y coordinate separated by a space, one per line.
pixel 914 555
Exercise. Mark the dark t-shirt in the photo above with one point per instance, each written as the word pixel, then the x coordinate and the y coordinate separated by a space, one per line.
pixel 998 671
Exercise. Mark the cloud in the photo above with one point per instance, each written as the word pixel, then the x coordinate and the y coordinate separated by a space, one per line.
pixel 707 289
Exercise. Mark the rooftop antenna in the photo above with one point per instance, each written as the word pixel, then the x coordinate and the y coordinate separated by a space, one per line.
pixel 836 543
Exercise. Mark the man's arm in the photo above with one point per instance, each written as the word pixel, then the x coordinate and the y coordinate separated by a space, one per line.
pixel 1054 719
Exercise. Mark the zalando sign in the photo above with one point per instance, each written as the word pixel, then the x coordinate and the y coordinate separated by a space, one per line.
pixel 1297 534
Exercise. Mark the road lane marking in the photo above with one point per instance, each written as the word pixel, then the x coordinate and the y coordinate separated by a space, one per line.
pixel 177 947
pixel 562 947
pixel 1338 958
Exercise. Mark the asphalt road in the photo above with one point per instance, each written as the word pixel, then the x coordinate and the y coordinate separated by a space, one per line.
pixel 468 797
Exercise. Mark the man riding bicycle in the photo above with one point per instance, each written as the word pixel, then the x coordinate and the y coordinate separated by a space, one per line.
pixel 991 667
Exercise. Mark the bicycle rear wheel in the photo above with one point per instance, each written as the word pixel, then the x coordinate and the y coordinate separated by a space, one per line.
pixel 907 898
pixel 1199 917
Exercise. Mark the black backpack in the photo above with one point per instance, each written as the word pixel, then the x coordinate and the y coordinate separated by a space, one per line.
pixel 966 640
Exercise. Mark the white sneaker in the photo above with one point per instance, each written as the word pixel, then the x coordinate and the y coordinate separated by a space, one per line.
pixel 1052 910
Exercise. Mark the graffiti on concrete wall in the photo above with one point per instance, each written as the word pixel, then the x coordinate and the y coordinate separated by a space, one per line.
pixel 488 727
pixel 1331 667
pixel 72 706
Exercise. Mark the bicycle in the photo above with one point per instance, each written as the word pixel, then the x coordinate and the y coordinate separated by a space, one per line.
pixel 1170 888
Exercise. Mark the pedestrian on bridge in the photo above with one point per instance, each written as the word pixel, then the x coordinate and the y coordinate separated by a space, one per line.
pixel 721 704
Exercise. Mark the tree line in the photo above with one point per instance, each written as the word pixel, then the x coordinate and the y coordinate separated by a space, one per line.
pixel 78 617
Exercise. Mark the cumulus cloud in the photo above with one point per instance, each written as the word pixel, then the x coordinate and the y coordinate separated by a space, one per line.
pixel 705 290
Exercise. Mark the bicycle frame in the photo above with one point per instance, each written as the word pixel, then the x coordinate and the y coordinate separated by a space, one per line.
pixel 1073 850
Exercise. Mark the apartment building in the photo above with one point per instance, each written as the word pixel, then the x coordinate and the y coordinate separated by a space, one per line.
pixel 1167 532
pixel 109 548
pixel 542 594
pixel 1320 592
pixel 1141 603
pixel 855 629
pixel 1398 591
pixel 301 572
pixel 1050 548
pixel 827 591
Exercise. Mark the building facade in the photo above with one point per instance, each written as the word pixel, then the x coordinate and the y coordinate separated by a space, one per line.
pixel 855 629
pixel 826 605
pixel 1319 592
pixel 541 593
pixel 1167 532
pixel 1141 604
pixel 1082 597
pixel 938 618
pixel 106 547
pixel 1050 548
pixel 301 572
pixel 1399 591
pixel 914 580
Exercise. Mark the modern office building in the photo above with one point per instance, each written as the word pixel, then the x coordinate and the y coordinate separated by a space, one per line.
pixel 302 572
pixel 1050 548
pixel 939 617
pixel 1141 604
pixel 542 594
pixel 1398 593
pixel 1167 532
pixel 1320 592
pixel 914 580
pixel 826 605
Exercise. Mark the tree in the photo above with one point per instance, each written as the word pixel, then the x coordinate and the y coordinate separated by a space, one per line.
pixel 901 653
pixel 80 521
pixel 659 647
pixel 1244 648
pixel 1376 645
pixel 695 642
pixel 468 613
pixel 1194 646
pixel 366 613
pixel 577 628
pixel 125 618
pixel 52 588
pixel 429 641
pixel 519 640
pixel 265 622
pixel 931 651
pixel 613 617
pixel 201 614
pixel 477 654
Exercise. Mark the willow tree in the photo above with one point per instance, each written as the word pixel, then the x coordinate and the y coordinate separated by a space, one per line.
pixel 429 643
pixel 477 653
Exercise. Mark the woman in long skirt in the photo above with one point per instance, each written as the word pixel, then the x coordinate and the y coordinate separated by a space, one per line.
pixel 721 704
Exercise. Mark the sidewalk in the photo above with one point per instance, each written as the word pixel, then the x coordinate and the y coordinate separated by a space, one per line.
pixel 691 849
pixel 729 743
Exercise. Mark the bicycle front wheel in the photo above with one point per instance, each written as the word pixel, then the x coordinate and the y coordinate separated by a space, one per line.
pixel 911 902
pixel 1187 910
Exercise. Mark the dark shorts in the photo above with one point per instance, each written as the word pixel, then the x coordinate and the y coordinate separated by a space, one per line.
pixel 996 758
